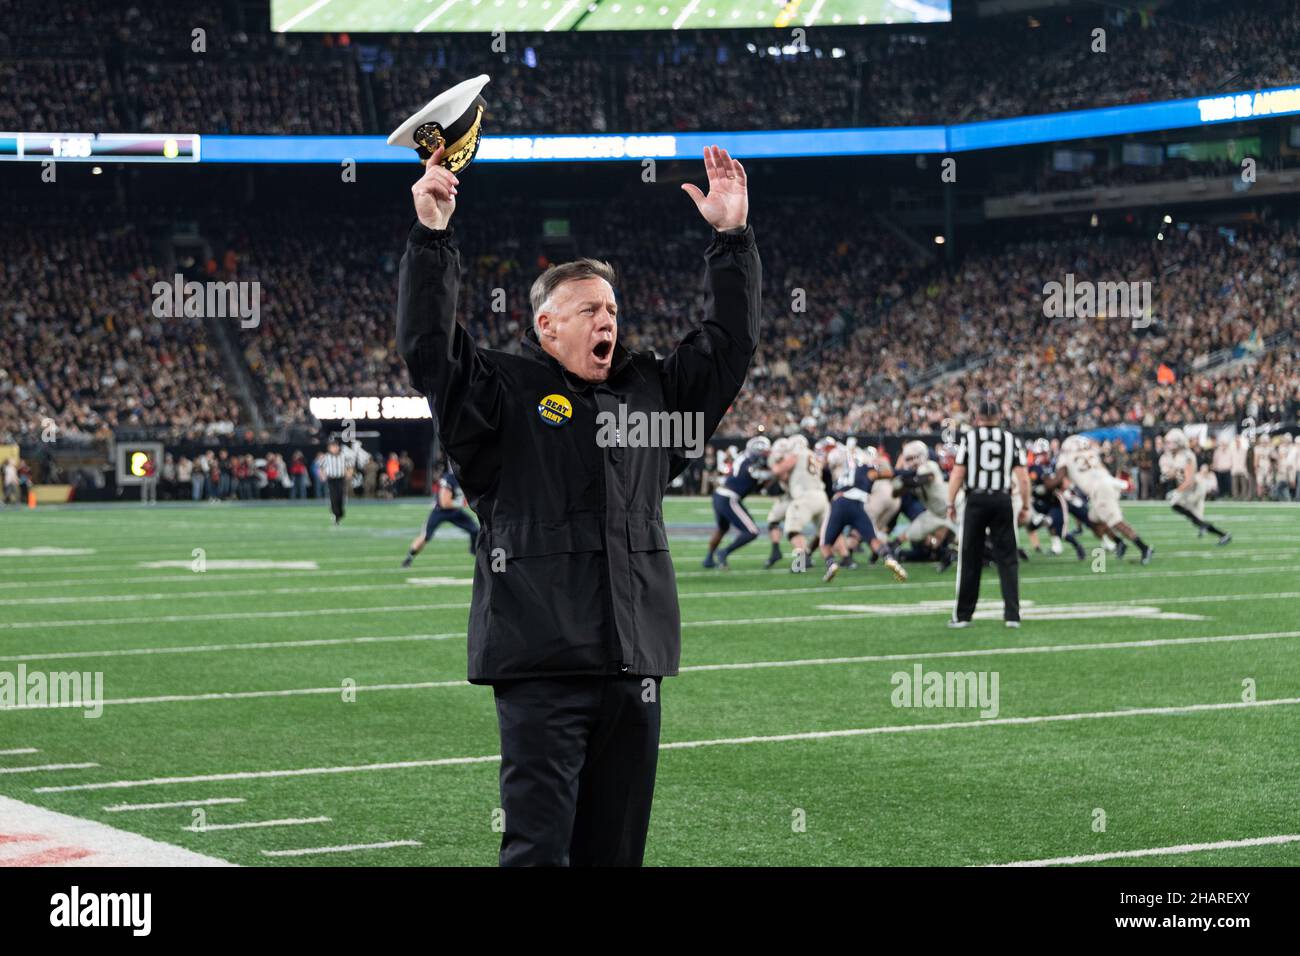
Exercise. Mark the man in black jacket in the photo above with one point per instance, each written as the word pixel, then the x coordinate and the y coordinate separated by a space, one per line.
pixel 574 617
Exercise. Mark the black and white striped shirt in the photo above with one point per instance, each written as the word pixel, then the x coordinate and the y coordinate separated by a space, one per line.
pixel 989 454
pixel 334 466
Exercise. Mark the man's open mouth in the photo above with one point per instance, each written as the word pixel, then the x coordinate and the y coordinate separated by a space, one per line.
pixel 602 350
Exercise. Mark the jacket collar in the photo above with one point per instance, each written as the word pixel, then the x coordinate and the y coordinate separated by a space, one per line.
pixel 534 348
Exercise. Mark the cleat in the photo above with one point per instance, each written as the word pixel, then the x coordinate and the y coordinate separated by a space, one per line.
pixel 1200 532
pixel 406 561
pixel 1057 547
pixel 1225 538
pixel 945 561
pixel 897 570
pixel 708 563
pixel 850 565
pixel 1146 555
pixel 721 562
pixel 1022 554
pixel 958 625
pixel 831 570
pixel 1120 549
pixel 772 560
pixel 1012 624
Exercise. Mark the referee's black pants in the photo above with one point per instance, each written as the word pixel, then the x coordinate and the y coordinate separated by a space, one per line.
pixel 578 759
pixel 338 493
pixel 988 513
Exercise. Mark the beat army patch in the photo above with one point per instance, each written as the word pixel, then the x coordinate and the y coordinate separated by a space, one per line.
pixel 555 410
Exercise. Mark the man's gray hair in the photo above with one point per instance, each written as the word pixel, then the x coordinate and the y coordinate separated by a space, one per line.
pixel 555 276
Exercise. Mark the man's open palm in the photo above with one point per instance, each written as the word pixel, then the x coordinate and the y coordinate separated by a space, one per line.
pixel 727 204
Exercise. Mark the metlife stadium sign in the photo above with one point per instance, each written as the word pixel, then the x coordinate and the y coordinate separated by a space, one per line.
pixel 369 408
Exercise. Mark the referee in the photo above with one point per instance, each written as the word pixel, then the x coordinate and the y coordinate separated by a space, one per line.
pixel 989 458
pixel 337 470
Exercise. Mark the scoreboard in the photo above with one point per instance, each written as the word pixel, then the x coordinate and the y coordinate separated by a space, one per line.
pixel 99 147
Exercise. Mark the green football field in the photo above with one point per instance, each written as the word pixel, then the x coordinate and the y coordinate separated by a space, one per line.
pixel 445 16
pixel 1138 708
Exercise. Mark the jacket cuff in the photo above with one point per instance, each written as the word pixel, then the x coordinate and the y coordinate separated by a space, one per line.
pixel 735 238
pixel 422 235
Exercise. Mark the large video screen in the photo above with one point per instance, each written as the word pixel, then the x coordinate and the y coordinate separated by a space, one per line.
pixel 486 16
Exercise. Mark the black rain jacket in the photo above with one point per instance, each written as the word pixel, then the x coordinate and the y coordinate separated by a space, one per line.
pixel 572 573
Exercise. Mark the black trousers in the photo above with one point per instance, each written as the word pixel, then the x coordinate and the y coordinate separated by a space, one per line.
pixel 338 494
pixel 988 514
pixel 578 758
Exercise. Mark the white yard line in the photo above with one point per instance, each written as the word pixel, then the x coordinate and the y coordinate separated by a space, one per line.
pixel 218 648
pixel 210 802
pixel 298 18
pixel 271 774
pixel 446 5
pixel 682 17
pixel 996 651
pixel 694 668
pixel 18 750
pixel 1158 851
pixel 231 616
pixel 242 695
pixel 825 590
pixel 690 744
pixel 349 848
pixel 64 840
pixel 219 594
pixel 255 824
pixel 41 768
pixel 410 584
pixel 555 20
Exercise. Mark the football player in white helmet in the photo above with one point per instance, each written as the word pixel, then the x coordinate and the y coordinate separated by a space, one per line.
pixel 800 470
pixel 1083 466
pixel 1178 465
pixel 923 492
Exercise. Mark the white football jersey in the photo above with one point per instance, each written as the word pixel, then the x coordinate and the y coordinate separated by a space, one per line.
pixel 1085 470
pixel 806 476
pixel 934 493
pixel 1173 465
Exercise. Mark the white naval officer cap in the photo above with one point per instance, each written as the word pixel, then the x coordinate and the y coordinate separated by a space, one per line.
pixel 452 119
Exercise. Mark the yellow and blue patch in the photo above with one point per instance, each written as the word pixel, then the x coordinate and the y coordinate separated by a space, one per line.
pixel 555 410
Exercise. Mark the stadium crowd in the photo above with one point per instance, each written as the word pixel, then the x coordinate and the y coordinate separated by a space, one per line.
pixel 83 352
pixel 860 334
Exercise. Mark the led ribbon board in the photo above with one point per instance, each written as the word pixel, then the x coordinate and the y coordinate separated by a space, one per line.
pixel 614 147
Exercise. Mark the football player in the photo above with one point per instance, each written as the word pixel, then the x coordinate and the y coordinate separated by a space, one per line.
pixel 1083 466
pixel 748 472
pixel 800 470
pixel 923 490
pixel 847 516
pixel 1046 498
pixel 1178 465
pixel 448 507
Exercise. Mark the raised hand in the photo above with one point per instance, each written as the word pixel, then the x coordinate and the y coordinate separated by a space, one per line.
pixel 435 193
pixel 727 204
